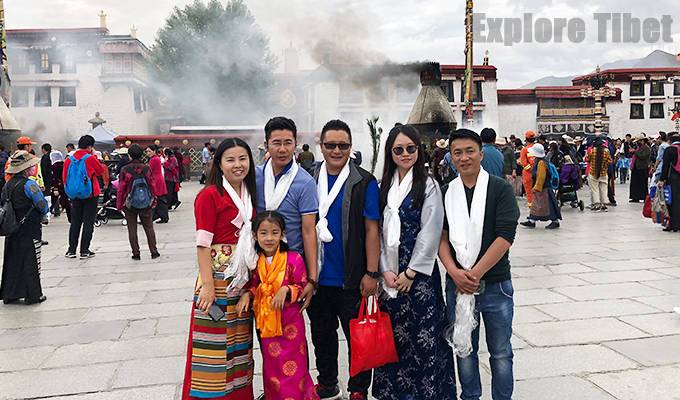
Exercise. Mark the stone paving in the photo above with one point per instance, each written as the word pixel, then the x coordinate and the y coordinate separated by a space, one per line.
pixel 593 317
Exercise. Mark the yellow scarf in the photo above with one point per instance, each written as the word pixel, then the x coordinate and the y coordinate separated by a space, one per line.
pixel 267 319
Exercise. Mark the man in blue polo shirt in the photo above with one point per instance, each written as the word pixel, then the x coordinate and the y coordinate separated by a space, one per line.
pixel 493 159
pixel 349 212
pixel 284 187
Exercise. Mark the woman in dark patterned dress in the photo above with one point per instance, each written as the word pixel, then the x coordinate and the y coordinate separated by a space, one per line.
pixel 412 223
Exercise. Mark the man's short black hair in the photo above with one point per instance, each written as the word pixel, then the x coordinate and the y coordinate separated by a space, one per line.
pixel 488 135
pixel 465 134
pixel 85 141
pixel 206 144
pixel 629 135
pixel 46 147
pixel 336 125
pixel 279 123
pixel 70 146
pixel 305 147
pixel 22 146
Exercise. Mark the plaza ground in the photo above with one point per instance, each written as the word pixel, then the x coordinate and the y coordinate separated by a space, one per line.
pixel 593 316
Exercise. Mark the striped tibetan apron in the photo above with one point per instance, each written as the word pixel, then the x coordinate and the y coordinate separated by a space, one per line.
pixel 220 354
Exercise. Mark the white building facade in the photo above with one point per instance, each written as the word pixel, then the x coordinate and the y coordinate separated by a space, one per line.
pixel 62 77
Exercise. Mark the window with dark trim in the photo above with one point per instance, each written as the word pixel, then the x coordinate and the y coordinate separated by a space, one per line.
pixel 637 111
pixel 45 65
pixel 20 65
pixel 447 87
pixel 67 96
pixel 637 88
pixel 657 88
pixel 19 96
pixel 657 111
pixel 139 100
pixel 676 87
pixel 43 96
pixel 68 65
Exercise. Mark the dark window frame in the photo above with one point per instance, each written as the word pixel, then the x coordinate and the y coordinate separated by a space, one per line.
pixel 447 87
pixel 477 95
pixel 46 89
pixel 641 89
pixel 63 94
pixel 657 84
pixel 641 112
pixel 676 87
pixel 657 107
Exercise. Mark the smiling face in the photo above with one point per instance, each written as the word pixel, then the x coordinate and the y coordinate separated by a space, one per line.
pixel 404 152
pixel 268 236
pixel 332 148
pixel 281 148
pixel 235 164
pixel 466 155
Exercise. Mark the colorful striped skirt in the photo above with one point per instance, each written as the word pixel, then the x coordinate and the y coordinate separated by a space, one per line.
pixel 219 354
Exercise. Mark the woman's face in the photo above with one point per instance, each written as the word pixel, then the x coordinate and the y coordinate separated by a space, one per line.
pixel 404 152
pixel 235 164
pixel 268 237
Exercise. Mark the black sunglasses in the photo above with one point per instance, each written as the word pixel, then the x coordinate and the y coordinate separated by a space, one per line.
pixel 410 149
pixel 341 146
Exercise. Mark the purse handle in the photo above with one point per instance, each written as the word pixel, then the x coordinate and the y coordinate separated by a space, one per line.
pixel 362 308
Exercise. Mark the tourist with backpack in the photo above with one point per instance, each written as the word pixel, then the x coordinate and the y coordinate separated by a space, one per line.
pixel 136 198
pixel 82 187
pixel 22 207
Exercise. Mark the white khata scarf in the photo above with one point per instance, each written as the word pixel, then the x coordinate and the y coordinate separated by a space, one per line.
pixel 244 258
pixel 465 234
pixel 392 222
pixel 274 192
pixel 326 199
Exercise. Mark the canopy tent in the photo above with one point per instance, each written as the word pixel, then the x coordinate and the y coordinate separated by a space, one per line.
pixel 103 135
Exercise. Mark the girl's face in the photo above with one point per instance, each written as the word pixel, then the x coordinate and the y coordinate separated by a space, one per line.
pixel 268 236
pixel 408 152
pixel 235 164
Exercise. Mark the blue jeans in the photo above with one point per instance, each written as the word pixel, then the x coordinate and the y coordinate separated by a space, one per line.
pixel 497 308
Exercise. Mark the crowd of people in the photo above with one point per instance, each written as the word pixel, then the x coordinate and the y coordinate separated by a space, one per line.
pixel 294 234
pixel 78 185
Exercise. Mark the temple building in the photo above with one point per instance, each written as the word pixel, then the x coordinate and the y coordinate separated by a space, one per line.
pixel 62 77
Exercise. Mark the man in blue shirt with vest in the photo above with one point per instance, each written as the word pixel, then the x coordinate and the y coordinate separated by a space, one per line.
pixel 349 213
pixel 493 158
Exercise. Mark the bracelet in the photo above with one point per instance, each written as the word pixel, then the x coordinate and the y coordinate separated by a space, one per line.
pixel 313 282
pixel 410 278
pixel 373 274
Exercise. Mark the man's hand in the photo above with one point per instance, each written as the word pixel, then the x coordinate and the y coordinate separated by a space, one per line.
pixel 306 296
pixel 464 283
pixel 368 286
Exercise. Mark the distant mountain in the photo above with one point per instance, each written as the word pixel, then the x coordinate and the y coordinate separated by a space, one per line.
pixel 550 81
pixel 655 59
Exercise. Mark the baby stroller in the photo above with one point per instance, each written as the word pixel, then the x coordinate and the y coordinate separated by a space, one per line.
pixel 570 183
pixel 106 207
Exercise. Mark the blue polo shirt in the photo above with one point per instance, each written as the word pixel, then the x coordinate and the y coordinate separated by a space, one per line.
pixel 301 199
pixel 493 160
pixel 333 271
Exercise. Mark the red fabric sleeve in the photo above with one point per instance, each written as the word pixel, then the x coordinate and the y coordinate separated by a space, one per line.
pixel 64 172
pixel 205 212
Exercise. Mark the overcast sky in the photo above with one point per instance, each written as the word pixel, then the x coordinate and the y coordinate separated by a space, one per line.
pixel 397 30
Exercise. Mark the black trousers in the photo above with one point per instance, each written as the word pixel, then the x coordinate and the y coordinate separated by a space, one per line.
pixel 330 305
pixel 83 213
pixel 172 194
pixel 161 210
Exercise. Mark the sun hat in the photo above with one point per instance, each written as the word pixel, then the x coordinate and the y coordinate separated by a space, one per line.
pixel 537 150
pixel 441 143
pixel 20 161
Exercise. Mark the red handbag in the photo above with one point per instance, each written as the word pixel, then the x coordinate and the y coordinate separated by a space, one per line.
pixel 647 207
pixel 371 340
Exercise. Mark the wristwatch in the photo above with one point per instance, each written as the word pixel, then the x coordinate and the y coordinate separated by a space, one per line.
pixel 374 275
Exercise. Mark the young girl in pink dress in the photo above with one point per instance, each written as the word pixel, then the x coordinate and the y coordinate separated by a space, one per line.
pixel 274 288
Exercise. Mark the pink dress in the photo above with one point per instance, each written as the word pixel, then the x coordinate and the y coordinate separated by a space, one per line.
pixel 284 358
